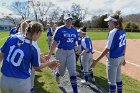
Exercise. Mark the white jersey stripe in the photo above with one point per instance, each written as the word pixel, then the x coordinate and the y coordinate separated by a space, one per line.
pixel 83 43
pixel 110 38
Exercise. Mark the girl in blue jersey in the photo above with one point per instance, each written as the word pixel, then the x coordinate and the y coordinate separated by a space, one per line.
pixel 115 51
pixel 14 30
pixel 86 55
pixel 49 34
pixel 22 32
pixel 65 38
pixel 78 49
pixel 18 55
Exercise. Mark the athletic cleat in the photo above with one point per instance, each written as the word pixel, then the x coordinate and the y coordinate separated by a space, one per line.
pixel 84 82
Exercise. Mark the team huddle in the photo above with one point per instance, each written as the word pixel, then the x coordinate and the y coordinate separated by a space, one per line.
pixel 21 55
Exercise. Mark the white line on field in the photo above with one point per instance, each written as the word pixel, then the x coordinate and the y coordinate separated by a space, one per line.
pixel 132 63
pixel 128 61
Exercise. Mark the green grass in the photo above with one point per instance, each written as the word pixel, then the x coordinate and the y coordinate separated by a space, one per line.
pixel 129 85
pixel 45 82
pixel 94 35
pixel 133 35
pixel 97 35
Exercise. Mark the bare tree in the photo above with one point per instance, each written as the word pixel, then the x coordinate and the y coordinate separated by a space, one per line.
pixel 76 10
pixel 40 8
pixel 21 8
pixel 54 15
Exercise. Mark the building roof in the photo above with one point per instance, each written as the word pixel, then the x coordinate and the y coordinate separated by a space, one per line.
pixel 6 23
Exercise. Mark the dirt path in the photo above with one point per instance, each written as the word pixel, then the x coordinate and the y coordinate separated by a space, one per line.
pixel 132 56
pixel 65 85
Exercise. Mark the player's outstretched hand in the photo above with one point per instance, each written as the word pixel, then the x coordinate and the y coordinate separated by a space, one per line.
pixel 124 62
pixel 53 64
pixel 42 58
pixel 93 63
pixel 47 57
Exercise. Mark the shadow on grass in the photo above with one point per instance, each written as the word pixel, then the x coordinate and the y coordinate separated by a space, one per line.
pixel 100 82
pixel 39 85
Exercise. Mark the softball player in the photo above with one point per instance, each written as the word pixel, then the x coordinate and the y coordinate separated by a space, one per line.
pixel 65 38
pixel 49 35
pixel 18 55
pixel 22 32
pixel 78 49
pixel 115 50
pixel 86 55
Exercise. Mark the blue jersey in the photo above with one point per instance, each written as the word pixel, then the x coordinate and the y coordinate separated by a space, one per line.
pixel 13 30
pixel 87 43
pixel 49 31
pixel 65 37
pixel 18 60
pixel 116 43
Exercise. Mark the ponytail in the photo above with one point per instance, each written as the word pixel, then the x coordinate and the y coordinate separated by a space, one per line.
pixel 119 21
pixel 34 27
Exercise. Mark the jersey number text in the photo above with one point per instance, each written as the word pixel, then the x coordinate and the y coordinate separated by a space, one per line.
pixel 122 40
pixel 13 56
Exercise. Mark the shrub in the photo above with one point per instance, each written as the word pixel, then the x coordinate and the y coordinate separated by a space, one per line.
pixel 132 27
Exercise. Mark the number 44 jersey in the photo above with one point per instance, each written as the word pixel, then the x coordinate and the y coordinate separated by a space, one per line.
pixel 116 43
pixel 19 57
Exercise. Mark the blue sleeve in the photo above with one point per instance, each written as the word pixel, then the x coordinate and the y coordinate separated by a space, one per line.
pixel 57 35
pixel 36 58
pixel 4 46
pixel 87 43
pixel 13 31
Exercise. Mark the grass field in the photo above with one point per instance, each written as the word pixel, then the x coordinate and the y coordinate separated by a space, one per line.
pixel 45 82
pixel 103 35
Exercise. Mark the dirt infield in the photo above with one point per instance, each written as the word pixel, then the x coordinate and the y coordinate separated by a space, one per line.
pixel 132 56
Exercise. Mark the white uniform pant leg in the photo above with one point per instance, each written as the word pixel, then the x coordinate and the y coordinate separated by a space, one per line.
pixel 112 66
pixel 61 56
pixel 71 62
pixel 15 85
